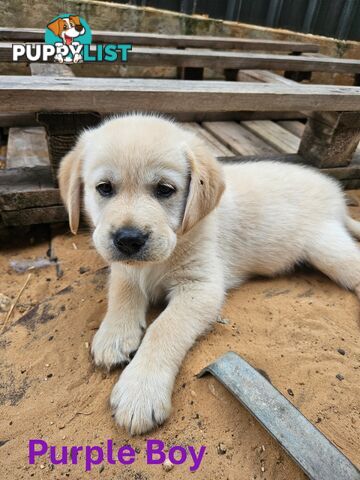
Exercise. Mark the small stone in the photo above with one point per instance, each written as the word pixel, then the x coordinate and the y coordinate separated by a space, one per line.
pixel 51 338
pixel 101 469
pixel 49 375
pixel 87 345
pixel 83 270
pixel 223 321
pixel 341 351
pixel 42 467
pixel 167 465
pixel 290 392
pixel 340 377
pixel 192 393
pixel 51 423
pixel 221 449
pixel 137 450
pixel 5 303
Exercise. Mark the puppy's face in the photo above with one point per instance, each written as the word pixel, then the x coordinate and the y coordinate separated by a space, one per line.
pixel 141 186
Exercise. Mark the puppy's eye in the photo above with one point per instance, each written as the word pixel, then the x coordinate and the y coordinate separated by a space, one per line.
pixel 65 26
pixel 164 190
pixel 105 189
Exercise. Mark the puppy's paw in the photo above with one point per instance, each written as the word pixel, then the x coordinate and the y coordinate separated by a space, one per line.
pixel 141 401
pixel 113 346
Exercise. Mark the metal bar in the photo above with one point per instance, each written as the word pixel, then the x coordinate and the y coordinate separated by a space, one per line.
pixel 310 449
pixel 230 9
pixel 311 15
pixel 345 19
pixel 273 15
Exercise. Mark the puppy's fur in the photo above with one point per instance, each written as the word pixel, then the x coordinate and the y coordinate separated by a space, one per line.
pixel 222 225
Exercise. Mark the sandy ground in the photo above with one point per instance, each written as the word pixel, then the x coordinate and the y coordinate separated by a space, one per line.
pixel 291 327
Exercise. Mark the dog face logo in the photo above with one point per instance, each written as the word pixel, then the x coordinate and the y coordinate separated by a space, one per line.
pixel 71 32
pixel 67 28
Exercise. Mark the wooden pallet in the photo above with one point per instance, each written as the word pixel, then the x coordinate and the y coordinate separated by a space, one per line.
pixel 228 115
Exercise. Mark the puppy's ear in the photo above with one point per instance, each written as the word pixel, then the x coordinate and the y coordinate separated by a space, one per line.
pixel 206 186
pixel 75 19
pixel 56 26
pixel 69 178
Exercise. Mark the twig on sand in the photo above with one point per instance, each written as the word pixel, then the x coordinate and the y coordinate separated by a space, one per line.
pixel 15 303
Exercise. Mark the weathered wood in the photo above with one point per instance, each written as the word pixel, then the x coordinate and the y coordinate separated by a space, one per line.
pixel 215 147
pixel 107 95
pixel 273 134
pixel 17 200
pixel 17 120
pixel 51 70
pixel 27 147
pixel 25 179
pixel 145 56
pixel 160 40
pixel 263 76
pixel 33 216
pixel 293 126
pixel 62 130
pixel 330 139
pixel 238 139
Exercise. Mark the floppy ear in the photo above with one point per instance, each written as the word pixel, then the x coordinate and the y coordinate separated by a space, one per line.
pixel 69 177
pixel 206 186
pixel 56 26
pixel 75 19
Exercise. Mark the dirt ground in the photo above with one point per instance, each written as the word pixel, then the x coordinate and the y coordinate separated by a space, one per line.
pixel 302 330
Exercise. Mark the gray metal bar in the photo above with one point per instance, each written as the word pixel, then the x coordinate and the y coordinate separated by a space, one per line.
pixel 310 449
pixel 346 19
pixel 311 15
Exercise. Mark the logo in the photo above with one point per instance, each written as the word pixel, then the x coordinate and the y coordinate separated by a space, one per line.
pixel 68 40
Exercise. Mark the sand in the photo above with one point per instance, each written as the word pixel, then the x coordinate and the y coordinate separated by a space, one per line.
pixel 291 327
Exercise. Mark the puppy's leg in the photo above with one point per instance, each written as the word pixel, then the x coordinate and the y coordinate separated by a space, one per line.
pixel 121 330
pixel 141 398
pixel 335 253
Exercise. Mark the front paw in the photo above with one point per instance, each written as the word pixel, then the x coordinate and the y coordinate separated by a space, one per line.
pixel 141 400
pixel 113 346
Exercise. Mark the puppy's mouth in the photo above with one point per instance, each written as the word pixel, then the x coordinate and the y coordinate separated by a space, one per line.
pixel 68 40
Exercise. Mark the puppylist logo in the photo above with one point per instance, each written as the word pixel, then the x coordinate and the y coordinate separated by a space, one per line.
pixel 68 40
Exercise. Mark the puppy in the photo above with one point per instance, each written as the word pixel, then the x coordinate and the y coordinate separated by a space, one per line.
pixel 175 224
pixel 68 29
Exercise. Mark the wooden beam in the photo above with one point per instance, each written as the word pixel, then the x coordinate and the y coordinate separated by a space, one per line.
pixel 26 147
pixel 330 138
pixel 145 56
pixel 107 95
pixel 160 40
pixel 238 139
pixel 273 134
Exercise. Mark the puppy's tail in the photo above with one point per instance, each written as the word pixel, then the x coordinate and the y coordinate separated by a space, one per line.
pixel 353 226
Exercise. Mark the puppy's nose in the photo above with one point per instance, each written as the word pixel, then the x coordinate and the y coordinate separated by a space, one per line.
pixel 129 240
pixel 78 28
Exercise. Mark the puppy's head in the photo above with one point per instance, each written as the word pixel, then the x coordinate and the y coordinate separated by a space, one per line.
pixel 67 28
pixel 146 182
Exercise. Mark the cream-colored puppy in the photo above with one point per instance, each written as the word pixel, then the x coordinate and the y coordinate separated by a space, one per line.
pixel 174 224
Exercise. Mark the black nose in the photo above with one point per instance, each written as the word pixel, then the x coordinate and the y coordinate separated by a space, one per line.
pixel 78 28
pixel 129 240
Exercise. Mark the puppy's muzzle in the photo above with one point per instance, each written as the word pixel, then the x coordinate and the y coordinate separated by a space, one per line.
pixel 129 241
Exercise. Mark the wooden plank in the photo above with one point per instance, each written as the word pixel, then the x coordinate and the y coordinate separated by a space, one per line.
pixel 145 56
pixel 293 126
pixel 27 147
pixel 273 134
pixel 330 139
pixel 263 76
pixel 25 179
pixel 51 70
pixel 238 139
pixel 107 95
pixel 40 197
pixel 215 147
pixel 33 216
pixel 161 40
